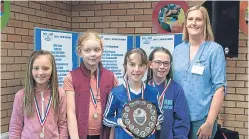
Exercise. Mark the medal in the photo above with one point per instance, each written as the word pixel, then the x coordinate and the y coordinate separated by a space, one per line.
pixel 95 116
pixel 94 99
pixel 42 135
pixel 158 127
pixel 42 116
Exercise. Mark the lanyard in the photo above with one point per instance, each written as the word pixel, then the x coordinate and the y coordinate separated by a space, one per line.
pixel 94 99
pixel 128 90
pixel 41 117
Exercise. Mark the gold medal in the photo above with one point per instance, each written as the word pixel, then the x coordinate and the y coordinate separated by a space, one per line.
pixel 95 116
pixel 42 135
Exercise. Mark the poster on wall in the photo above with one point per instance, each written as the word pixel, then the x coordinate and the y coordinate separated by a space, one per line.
pixel 115 47
pixel 168 16
pixel 62 45
pixel 149 42
pixel 243 20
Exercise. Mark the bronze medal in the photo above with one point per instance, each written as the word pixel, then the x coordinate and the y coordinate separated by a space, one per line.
pixel 42 135
pixel 95 116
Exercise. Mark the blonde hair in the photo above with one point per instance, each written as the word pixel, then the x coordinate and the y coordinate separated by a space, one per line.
pixel 86 36
pixel 29 83
pixel 208 33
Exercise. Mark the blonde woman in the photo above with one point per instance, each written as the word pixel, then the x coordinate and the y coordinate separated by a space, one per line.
pixel 200 68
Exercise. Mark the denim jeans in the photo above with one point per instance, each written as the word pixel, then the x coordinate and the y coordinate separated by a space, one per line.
pixel 195 125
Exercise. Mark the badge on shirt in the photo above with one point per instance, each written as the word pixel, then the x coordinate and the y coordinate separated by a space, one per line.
pixel 197 69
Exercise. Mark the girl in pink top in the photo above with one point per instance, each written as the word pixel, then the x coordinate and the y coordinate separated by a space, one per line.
pixel 39 109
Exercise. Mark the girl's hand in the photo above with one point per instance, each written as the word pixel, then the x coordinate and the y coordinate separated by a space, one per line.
pixel 120 123
pixel 205 131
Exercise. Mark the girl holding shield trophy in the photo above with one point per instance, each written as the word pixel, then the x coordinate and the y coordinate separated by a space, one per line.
pixel 123 96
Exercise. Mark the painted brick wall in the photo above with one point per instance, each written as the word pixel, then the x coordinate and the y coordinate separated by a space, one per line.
pixel 17 44
pixel 105 17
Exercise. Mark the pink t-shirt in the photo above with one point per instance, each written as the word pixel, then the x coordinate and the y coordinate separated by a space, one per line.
pixel 23 127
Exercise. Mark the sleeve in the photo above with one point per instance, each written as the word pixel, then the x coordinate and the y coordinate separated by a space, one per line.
pixel 62 121
pixel 17 117
pixel 218 69
pixel 68 83
pixel 181 124
pixel 115 80
pixel 110 120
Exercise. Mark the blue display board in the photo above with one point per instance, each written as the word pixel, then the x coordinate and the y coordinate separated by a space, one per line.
pixel 152 41
pixel 115 47
pixel 63 46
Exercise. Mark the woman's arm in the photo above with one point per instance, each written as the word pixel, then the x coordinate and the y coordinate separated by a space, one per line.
pixel 218 79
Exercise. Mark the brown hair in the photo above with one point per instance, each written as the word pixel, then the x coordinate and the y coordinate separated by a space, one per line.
pixel 138 51
pixel 29 83
pixel 208 33
pixel 86 36
pixel 152 56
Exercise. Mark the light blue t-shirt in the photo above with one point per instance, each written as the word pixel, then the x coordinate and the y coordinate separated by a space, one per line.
pixel 199 89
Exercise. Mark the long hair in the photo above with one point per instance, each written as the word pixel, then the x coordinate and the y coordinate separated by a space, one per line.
pixel 152 56
pixel 208 33
pixel 29 83
pixel 86 36
pixel 140 53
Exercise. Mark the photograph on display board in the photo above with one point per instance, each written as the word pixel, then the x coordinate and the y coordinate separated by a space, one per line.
pixel 243 21
pixel 168 16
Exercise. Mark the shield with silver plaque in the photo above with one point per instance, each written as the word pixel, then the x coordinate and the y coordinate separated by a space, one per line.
pixel 140 117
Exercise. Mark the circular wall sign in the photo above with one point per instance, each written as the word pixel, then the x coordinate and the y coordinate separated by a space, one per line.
pixel 169 16
pixel 5 13
pixel 243 17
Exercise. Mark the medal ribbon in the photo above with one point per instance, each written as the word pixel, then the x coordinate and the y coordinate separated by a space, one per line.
pixel 161 97
pixel 94 99
pixel 42 121
pixel 128 90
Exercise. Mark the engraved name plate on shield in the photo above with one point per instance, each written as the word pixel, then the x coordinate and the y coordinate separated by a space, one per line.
pixel 140 117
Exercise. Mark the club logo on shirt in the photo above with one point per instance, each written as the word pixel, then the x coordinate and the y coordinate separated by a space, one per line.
pixel 168 104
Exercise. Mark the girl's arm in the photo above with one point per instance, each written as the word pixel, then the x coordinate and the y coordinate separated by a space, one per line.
pixel 71 116
pixel 17 117
pixel 110 120
pixel 62 122
pixel 70 108
pixel 181 124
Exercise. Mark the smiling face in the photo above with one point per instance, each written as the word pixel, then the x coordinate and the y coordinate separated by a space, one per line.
pixel 195 23
pixel 91 52
pixel 135 69
pixel 160 65
pixel 42 70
